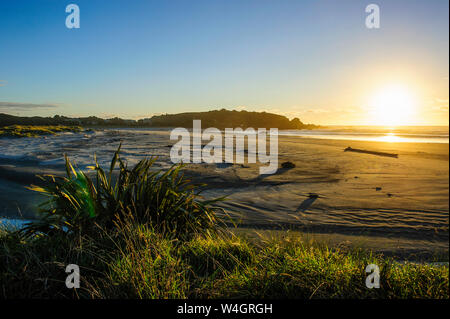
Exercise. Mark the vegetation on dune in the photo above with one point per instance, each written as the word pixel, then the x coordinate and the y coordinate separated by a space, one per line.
pixel 144 233
pixel 33 131
pixel 134 261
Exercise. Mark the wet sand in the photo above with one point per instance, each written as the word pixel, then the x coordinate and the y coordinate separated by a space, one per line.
pixel 404 198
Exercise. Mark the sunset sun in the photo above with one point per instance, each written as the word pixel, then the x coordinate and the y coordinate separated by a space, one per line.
pixel 392 106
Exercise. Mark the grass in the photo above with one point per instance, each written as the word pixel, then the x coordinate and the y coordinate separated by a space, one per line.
pixel 144 233
pixel 34 131
pixel 134 261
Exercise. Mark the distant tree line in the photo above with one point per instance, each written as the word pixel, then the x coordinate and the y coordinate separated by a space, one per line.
pixel 219 119
pixel 6 119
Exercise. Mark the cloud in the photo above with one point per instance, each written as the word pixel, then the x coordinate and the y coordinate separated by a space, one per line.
pixel 25 106
pixel 3 82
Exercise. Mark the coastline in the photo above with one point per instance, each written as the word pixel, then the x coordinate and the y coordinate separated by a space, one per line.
pixel 349 203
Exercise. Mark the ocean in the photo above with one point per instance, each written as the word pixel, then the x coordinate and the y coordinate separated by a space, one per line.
pixel 406 134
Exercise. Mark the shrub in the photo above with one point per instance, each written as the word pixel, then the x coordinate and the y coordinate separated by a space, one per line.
pixel 165 200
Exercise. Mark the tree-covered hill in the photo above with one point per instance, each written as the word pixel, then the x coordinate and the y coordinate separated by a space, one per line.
pixel 219 119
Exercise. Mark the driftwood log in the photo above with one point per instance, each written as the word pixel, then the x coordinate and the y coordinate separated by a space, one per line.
pixel 349 149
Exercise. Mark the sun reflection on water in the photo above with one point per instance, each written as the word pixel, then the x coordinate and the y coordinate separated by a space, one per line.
pixel 389 137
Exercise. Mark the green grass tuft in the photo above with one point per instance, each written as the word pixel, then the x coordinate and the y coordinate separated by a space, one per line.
pixel 135 261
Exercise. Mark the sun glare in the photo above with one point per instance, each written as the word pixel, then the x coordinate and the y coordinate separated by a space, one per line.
pixel 392 106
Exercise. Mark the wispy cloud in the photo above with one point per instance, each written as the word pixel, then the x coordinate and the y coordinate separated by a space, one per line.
pixel 25 106
pixel 3 82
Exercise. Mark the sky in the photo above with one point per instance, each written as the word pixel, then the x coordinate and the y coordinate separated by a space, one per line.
pixel 311 59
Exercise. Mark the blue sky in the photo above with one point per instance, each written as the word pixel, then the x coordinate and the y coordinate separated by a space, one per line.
pixel 312 59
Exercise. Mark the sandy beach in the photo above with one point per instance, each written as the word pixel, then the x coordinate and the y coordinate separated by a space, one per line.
pixel 387 203
pixel 402 199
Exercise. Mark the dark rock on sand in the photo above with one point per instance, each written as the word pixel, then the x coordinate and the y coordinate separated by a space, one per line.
pixel 287 165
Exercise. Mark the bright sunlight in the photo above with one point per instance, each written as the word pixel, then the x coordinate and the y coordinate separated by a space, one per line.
pixel 392 106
